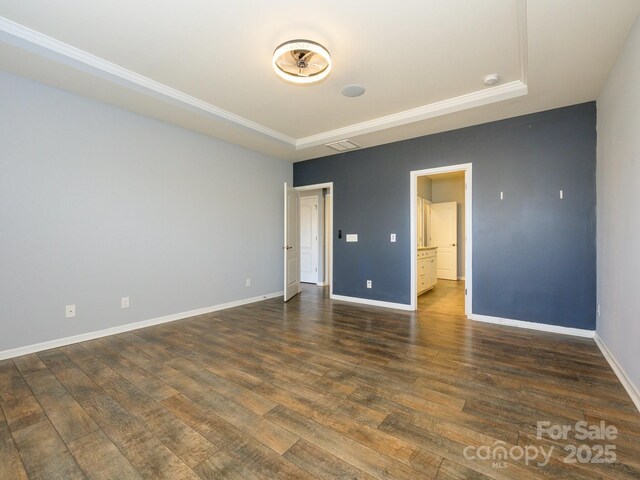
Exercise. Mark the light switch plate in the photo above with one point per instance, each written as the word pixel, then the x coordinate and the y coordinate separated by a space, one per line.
pixel 352 237
pixel 70 311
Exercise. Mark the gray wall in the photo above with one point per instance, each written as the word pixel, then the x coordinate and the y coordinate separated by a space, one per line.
pixel 97 203
pixel 533 254
pixel 619 209
pixel 447 188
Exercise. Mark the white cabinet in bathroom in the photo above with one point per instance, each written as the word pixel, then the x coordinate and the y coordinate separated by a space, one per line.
pixel 427 271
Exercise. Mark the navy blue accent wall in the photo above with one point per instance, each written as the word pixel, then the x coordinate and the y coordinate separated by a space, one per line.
pixel 534 255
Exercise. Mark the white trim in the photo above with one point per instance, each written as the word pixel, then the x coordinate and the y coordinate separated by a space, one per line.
pixel 329 247
pixel 523 41
pixel 316 186
pixel 48 47
pixel 375 303
pixel 322 284
pixel 467 168
pixel 83 337
pixel 632 390
pixel 328 238
pixel 543 327
pixel 479 98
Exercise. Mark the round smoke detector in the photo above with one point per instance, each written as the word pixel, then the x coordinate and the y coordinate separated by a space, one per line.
pixel 353 90
pixel 491 80
pixel 301 61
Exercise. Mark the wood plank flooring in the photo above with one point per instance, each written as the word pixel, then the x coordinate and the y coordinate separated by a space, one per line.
pixel 311 389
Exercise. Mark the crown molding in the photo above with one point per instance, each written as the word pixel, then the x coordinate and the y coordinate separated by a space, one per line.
pixel 451 105
pixel 479 98
pixel 523 41
pixel 36 42
pixel 31 40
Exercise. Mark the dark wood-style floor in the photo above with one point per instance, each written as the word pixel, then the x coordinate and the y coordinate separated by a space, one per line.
pixel 310 389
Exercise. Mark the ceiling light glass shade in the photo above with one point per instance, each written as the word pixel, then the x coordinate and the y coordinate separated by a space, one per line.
pixel 301 61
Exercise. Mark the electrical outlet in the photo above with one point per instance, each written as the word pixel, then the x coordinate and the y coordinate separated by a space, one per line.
pixel 247 282
pixel 124 302
pixel 369 284
pixel 70 311
pixel 393 237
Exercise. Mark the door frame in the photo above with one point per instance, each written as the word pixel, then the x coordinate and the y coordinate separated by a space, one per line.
pixel 468 221
pixel 329 247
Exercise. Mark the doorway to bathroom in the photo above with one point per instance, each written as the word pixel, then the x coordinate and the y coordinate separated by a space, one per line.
pixel 441 269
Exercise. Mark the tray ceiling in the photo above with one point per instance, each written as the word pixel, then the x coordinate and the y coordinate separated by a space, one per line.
pixel 207 65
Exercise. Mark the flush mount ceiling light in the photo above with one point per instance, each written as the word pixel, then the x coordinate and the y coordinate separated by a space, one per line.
pixel 301 61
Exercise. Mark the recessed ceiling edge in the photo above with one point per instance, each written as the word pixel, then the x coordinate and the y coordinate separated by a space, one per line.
pixel 15 34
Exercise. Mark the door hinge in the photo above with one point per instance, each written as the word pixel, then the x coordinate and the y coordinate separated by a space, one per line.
pixel 316 206
pixel 465 291
pixel 316 269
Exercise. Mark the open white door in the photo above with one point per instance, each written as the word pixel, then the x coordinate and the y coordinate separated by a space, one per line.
pixel 291 240
pixel 309 244
pixel 444 232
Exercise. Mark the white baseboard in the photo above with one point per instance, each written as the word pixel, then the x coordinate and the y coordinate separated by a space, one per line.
pixel 576 332
pixel 632 390
pixel 83 337
pixel 374 303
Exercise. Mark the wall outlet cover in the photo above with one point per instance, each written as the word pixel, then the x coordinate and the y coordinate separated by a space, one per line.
pixel 369 284
pixel 247 282
pixel 393 237
pixel 70 311
pixel 124 302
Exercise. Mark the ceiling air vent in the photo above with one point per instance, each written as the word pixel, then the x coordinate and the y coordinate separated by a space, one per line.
pixel 343 145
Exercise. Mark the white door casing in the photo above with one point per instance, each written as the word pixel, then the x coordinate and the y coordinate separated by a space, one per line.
pixel 309 242
pixel 426 213
pixel 467 168
pixel 420 222
pixel 444 220
pixel 291 243
pixel 328 238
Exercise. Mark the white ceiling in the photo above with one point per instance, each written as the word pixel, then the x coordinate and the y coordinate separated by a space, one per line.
pixel 206 65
